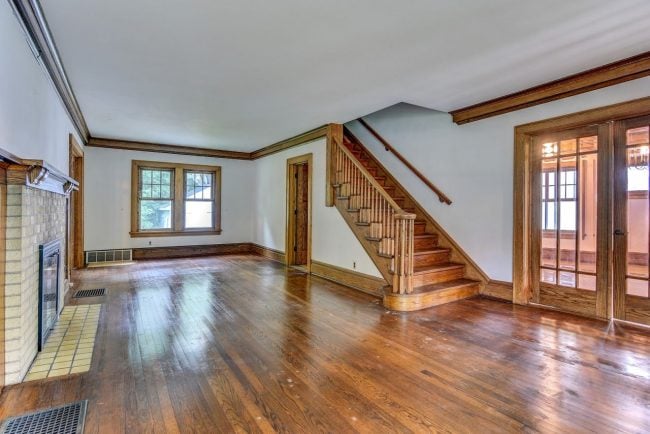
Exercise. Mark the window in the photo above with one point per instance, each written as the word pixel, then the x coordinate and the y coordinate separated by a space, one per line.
pixel 567 190
pixel 175 199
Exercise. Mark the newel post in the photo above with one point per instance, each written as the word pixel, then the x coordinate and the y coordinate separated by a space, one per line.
pixel 404 247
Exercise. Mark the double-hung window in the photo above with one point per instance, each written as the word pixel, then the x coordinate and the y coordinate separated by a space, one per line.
pixel 175 199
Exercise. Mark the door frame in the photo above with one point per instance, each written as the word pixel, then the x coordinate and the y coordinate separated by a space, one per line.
pixel 522 272
pixel 75 256
pixel 291 220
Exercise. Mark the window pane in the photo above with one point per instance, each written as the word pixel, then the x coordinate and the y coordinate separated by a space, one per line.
pixel 567 279
pixel 586 281
pixel 155 214
pixel 548 276
pixel 198 214
pixel 637 287
pixel 568 146
pixel 589 144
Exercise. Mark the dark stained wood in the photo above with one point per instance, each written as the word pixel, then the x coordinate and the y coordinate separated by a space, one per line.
pixel 441 196
pixel 302 213
pixel 127 145
pixel 240 343
pixel 299 206
pixel 76 216
pixel 498 289
pixel 269 253
pixel 190 251
pixel 592 79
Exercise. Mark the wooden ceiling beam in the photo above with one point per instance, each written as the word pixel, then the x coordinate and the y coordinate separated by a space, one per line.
pixel 592 79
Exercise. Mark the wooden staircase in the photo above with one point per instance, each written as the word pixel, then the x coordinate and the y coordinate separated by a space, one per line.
pixel 423 266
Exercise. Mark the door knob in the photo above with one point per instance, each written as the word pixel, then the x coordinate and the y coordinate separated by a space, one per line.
pixel 619 232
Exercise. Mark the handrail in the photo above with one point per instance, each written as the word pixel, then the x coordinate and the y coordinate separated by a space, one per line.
pixel 441 196
pixel 371 179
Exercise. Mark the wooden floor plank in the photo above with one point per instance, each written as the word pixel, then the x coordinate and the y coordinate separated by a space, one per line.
pixel 242 344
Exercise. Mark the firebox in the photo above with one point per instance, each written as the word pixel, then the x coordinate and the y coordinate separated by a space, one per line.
pixel 48 288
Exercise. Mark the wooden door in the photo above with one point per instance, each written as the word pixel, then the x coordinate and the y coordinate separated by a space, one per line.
pixel 302 213
pixel 632 221
pixel 299 211
pixel 568 261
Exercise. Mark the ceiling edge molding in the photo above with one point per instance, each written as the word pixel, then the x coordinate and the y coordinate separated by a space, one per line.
pixel 166 149
pixel 32 20
pixel 592 79
pixel 300 139
pixel 128 145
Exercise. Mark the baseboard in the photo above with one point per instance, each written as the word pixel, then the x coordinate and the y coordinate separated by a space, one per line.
pixel 363 282
pixel 498 289
pixel 190 251
pixel 269 253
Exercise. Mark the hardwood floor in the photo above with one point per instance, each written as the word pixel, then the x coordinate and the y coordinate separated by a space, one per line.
pixel 239 343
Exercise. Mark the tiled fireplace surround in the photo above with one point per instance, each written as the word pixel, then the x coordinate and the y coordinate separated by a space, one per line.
pixel 34 217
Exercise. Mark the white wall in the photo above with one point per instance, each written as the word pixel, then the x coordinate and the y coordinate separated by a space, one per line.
pixel 107 200
pixel 333 242
pixel 473 165
pixel 33 121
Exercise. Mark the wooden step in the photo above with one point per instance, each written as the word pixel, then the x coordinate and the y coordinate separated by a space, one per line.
pixel 432 295
pixel 420 227
pixel 435 256
pixel 426 241
pixel 438 273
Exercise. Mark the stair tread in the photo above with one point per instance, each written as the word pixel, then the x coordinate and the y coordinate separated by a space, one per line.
pixel 427 250
pixel 437 267
pixel 456 283
pixel 425 235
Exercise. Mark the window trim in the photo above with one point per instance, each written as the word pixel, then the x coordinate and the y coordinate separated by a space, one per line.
pixel 178 201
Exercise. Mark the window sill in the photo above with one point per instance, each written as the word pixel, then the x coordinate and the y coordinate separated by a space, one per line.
pixel 174 233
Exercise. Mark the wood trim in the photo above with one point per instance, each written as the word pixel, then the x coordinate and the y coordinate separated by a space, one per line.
pixel 190 251
pixel 522 193
pixel 442 197
pixel 586 81
pixel 40 175
pixel 498 289
pixel 298 140
pixel 290 224
pixel 128 145
pixel 363 282
pixel 76 171
pixel 32 20
pixel 334 139
pixel 269 253
pixel 178 216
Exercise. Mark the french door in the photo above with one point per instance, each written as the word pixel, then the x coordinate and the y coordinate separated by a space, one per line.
pixel 569 234
pixel 632 221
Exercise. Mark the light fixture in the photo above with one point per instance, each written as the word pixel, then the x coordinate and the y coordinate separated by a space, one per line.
pixel 638 157
pixel 549 149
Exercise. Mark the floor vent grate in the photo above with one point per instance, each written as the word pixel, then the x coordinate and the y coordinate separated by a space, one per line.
pixel 67 419
pixel 90 293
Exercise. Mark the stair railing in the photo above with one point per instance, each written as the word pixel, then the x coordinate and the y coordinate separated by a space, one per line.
pixel 388 224
pixel 442 197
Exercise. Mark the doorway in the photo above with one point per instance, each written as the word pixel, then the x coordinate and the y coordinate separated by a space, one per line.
pixel 582 213
pixel 75 250
pixel 299 176
pixel 632 221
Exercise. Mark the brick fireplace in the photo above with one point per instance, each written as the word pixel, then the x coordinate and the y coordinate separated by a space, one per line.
pixel 35 216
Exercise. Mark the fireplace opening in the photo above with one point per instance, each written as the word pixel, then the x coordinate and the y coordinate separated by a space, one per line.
pixel 48 288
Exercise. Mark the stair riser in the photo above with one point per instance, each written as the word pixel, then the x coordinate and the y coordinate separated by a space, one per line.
pixel 426 243
pixel 437 277
pixel 407 304
pixel 420 229
pixel 432 259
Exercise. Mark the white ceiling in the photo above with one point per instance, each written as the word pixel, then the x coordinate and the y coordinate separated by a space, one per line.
pixel 241 74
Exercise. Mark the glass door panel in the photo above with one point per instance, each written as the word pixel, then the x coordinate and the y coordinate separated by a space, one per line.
pixel 633 223
pixel 566 222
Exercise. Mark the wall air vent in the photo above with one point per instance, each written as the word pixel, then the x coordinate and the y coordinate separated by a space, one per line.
pixel 99 257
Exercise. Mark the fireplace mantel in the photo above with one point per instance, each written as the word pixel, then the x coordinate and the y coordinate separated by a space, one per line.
pixel 41 175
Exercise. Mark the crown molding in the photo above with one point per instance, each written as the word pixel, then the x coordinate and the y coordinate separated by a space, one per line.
pixel 128 145
pixel 298 140
pixel 586 81
pixel 30 16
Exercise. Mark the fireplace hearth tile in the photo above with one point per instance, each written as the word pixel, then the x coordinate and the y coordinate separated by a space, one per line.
pixel 69 347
